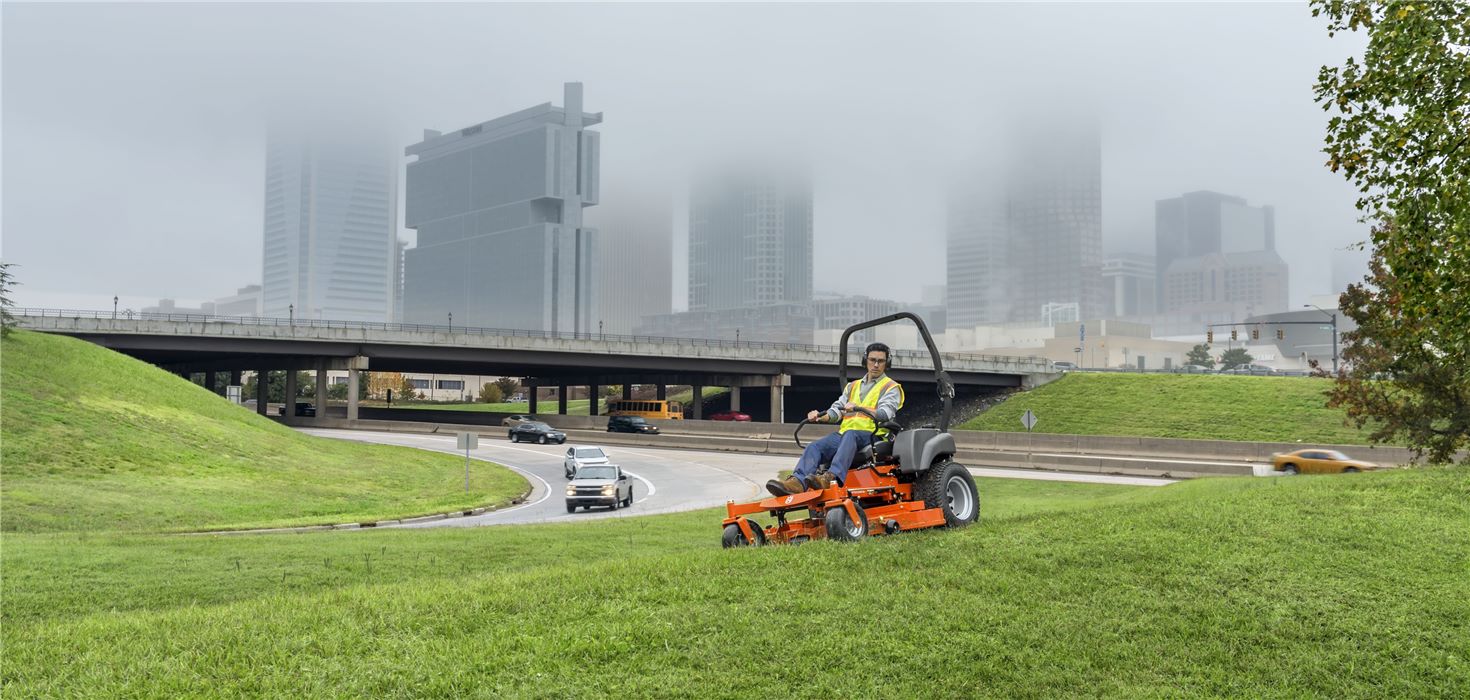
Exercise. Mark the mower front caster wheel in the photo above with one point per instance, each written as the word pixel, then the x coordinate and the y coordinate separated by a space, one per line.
pixel 733 537
pixel 840 525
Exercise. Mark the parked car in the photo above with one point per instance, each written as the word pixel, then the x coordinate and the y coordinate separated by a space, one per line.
pixel 599 485
pixel 729 415
pixel 1063 366
pixel 630 424
pixel 512 421
pixel 578 457
pixel 1195 369
pixel 305 409
pixel 1313 461
pixel 1250 369
pixel 537 432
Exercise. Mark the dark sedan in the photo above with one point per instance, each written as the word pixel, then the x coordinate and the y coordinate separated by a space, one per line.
pixel 537 432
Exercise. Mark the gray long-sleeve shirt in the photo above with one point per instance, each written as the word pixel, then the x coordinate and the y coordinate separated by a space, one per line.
pixel 888 403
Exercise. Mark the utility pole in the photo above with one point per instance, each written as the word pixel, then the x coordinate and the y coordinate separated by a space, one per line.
pixel 1333 316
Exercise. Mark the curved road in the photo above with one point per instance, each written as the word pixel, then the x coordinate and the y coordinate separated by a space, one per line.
pixel 665 480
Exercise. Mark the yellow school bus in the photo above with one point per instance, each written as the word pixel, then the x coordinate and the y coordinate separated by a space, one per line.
pixel 647 409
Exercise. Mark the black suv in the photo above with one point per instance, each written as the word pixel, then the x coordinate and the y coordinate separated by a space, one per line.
pixel 630 424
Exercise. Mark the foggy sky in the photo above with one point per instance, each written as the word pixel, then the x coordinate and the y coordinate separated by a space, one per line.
pixel 133 135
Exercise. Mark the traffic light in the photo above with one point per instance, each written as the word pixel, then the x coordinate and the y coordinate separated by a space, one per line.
pixel 1255 334
pixel 1209 336
pixel 1233 336
pixel 1280 334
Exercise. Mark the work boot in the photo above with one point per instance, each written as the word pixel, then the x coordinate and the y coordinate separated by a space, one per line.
pixel 785 487
pixel 821 481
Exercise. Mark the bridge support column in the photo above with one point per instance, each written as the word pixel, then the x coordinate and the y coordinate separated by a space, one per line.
pixel 663 391
pixel 531 399
pixel 696 397
pixel 734 398
pixel 321 391
pixel 355 367
pixel 778 397
pixel 593 397
pixel 211 382
pixel 561 400
pixel 352 379
pixel 291 390
pixel 235 377
pixel 627 391
pixel 262 389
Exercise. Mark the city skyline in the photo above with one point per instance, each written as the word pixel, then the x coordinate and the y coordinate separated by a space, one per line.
pixel 181 169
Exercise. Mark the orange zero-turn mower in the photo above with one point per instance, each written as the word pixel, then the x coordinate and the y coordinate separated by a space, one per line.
pixel 907 480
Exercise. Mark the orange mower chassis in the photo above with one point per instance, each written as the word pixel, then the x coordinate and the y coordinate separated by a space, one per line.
pixel 887 504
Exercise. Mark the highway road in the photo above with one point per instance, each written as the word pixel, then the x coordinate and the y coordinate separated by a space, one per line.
pixel 666 480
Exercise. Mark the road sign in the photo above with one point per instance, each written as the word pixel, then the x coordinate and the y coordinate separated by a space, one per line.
pixel 467 442
pixel 1028 420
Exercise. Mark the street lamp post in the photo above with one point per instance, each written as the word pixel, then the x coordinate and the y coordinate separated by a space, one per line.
pixel 599 329
pixel 451 321
pixel 1334 333
pixel 291 310
pixel 114 307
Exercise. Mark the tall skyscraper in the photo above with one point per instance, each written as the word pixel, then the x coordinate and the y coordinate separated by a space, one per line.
pixel 1026 231
pixel 750 241
pixel 498 210
pixel 636 266
pixel 331 224
pixel 1202 223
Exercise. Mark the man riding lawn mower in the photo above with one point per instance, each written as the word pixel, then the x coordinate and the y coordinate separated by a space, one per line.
pixel 872 476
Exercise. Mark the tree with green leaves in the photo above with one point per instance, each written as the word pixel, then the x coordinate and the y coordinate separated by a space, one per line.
pixel 1200 355
pixel 490 393
pixel 1235 357
pixel 1400 133
pixel 508 386
pixel 406 390
pixel 7 280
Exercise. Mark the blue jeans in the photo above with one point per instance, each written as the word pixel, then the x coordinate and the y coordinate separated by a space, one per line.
pixel 840 448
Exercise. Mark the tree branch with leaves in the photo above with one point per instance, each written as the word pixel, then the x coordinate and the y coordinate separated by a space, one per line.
pixel 1400 133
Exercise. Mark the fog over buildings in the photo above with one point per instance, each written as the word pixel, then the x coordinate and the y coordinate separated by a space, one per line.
pixel 135 155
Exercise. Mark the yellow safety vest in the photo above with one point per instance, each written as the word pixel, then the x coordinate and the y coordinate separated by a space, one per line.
pixel 859 421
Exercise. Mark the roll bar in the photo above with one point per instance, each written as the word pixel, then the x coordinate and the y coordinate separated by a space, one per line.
pixel 941 377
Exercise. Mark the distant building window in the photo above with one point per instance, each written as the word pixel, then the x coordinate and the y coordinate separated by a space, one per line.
pixel 420 383
pixel 451 384
pixel 339 380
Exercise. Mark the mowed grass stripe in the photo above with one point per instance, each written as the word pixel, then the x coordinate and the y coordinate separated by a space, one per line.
pixel 1318 586
pixel 95 440
pixel 1189 406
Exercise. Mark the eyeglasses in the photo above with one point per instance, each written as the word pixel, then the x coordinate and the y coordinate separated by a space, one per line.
pixel 876 360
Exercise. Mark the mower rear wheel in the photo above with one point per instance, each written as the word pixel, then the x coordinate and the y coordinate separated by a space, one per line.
pixel 733 537
pixel 949 487
pixel 841 527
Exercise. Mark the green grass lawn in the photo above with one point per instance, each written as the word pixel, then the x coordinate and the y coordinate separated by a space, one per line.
pixel 95 440
pixel 1343 586
pixel 1201 407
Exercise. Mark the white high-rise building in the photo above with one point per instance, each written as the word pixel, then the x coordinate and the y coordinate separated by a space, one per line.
pixel 331 223
pixel 498 210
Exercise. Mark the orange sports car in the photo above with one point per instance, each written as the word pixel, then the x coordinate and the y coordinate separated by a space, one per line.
pixel 1317 462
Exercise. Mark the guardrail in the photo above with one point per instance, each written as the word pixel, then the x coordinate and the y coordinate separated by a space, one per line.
pixel 1029 364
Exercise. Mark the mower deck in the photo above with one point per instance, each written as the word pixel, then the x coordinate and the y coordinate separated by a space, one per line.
pixel 873 499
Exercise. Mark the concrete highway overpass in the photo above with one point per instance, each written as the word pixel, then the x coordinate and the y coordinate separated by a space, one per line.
pixel 767 379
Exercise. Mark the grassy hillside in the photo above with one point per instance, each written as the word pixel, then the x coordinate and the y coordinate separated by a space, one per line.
pixel 1202 407
pixel 95 440
pixel 1343 586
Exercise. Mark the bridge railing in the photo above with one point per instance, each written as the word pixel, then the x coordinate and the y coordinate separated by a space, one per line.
pixel 1032 364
